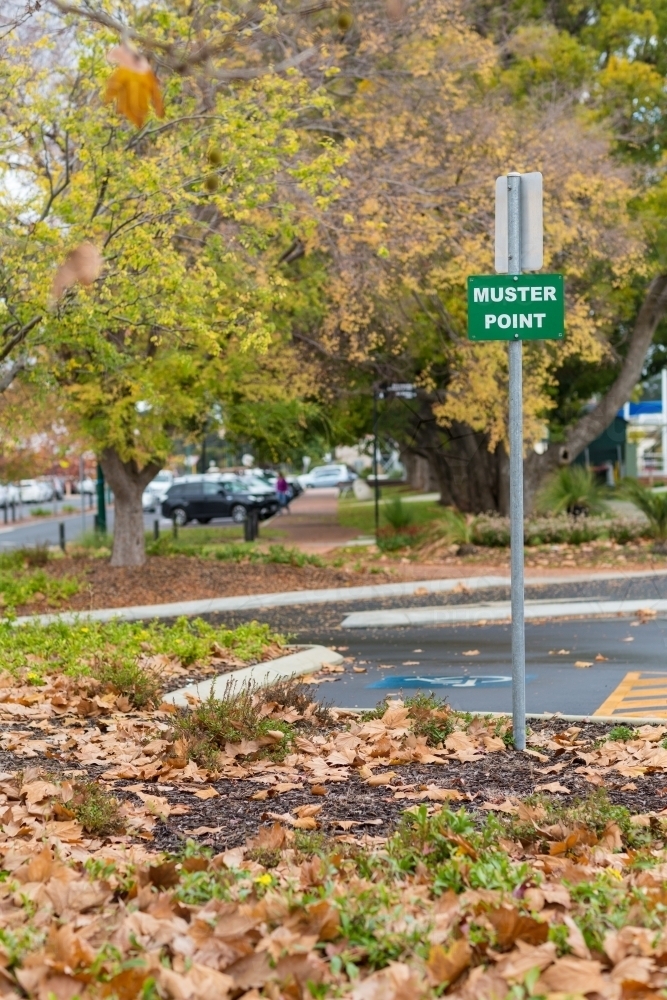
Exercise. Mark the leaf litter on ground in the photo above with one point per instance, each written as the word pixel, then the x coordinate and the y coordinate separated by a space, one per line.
pixel 551 896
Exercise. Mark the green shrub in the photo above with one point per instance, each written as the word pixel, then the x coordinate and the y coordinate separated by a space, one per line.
pixel 491 531
pixel 494 531
pixel 397 514
pixel 572 490
pixel 621 734
pixel 652 505
pixel 392 541
pixel 96 810
pixel 127 677
pixel 456 527
pixel 234 718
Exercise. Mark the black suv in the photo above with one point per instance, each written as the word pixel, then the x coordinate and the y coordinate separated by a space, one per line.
pixel 205 499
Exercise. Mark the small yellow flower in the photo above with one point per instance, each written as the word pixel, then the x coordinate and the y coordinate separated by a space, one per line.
pixel 615 873
pixel 264 879
pixel 84 629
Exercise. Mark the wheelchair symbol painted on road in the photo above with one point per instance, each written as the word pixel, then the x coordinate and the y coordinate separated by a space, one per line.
pixel 417 681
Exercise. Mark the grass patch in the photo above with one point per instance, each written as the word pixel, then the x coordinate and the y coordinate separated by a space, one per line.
pixel 361 515
pixel 119 653
pixel 235 718
pixel 40 512
pixel 93 543
pixel 96 809
pixel 431 718
pixel 593 814
pixel 621 734
pixel 264 721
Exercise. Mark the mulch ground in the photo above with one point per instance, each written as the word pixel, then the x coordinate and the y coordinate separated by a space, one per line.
pixel 354 806
pixel 170 579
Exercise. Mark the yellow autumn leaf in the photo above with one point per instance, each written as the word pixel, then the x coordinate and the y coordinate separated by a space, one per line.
pixel 133 86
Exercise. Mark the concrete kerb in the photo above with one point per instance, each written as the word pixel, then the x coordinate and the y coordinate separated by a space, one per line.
pixel 481 614
pixel 634 720
pixel 304 661
pixel 325 596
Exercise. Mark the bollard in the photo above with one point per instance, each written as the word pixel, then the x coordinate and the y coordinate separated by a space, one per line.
pixel 13 511
pixel 6 512
pixel 61 534
pixel 251 526
pixel 156 530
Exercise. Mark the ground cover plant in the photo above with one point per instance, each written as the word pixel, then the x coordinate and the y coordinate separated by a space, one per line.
pixel 230 551
pixel 652 505
pixel 134 659
pixel 23 578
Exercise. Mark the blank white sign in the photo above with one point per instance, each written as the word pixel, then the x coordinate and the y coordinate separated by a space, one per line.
pixel 532 235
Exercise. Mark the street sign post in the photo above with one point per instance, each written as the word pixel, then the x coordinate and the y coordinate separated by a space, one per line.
pixel 515 307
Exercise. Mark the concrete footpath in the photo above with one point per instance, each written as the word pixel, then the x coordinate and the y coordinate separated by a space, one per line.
pixel 335 595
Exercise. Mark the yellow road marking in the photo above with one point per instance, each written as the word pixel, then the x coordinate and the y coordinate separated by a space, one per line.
pixel 637 694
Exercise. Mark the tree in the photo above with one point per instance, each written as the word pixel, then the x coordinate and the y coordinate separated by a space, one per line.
pixel 435 117
pixel 190 214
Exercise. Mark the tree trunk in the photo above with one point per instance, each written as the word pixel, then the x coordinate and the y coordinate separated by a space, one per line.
pixel 128 484
pixel 468 476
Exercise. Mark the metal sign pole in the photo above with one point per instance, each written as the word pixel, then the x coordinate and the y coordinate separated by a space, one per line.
pixel 516 478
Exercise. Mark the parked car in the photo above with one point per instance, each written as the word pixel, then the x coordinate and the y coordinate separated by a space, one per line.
pixel 86 485
pixel 35 491
pixel 202 498
pixel 156 491
pixel 327 475
pixel 270 478
pixel 295 486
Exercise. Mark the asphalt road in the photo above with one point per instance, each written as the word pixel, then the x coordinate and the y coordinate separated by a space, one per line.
pixel 45 531
pixel 405 660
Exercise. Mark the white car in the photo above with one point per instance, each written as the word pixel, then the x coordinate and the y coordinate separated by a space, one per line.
pixel 86 485
pixel 327 475
pixel 35 491
pixel 256 484
pixel 156 490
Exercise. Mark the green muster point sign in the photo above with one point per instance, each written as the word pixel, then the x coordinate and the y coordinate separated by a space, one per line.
pixel 516 307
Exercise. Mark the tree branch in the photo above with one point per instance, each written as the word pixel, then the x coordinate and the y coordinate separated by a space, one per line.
pixel 591 425
pixel 180 61
pixel 594 423
pixel 7 377
pixel 13 335
pixel 255 72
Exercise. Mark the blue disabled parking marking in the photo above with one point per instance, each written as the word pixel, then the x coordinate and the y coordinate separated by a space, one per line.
pixel 417 681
